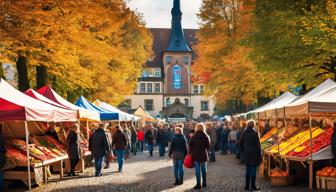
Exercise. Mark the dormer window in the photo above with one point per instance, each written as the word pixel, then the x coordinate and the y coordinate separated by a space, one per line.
pixel 186 60
pixel 169 59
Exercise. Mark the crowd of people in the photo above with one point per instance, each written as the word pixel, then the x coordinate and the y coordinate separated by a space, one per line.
pixel 199 141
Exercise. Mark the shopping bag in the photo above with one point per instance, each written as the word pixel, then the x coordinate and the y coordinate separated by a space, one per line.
pixel 188 162
pixel 110 157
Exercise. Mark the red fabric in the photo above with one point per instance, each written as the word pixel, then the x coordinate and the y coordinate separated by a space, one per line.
pixel 188 162
pixel 15 105
pixel 141 136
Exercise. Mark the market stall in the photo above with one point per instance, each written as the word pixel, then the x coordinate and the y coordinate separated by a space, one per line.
pixel 16 107
pixel 145 117
pixel 122 116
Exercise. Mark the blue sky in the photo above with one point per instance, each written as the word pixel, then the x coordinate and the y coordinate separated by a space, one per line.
pixel 157 12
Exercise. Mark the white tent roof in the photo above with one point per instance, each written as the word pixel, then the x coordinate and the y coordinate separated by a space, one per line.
pixel 301 106
pixel 123 116
pixel 324 103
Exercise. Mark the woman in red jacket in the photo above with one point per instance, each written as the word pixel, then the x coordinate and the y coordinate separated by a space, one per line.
pixel 141 138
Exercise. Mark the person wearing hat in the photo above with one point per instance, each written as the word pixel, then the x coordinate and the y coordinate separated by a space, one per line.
pixel 99 147
pixel 73 149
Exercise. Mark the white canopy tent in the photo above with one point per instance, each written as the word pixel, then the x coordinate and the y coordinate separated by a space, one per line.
pixel 303 105
pixel 123 116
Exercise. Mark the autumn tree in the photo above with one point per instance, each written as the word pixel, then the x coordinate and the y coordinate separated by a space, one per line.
pixel 223 53
pixel 85 47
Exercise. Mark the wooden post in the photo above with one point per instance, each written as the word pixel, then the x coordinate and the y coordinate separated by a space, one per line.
pixel 61 171
pixel 28 155
pixel 87 130
pixel 311 155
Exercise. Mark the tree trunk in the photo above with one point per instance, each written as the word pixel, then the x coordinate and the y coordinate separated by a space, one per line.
pixel 2 75
pixel 41 76
pixel 22 69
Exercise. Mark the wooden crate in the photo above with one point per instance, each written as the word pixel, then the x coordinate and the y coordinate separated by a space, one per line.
pixel 280 181
pixel 327 183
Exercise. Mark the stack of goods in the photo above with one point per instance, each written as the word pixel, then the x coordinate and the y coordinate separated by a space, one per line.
pixel 295 141
pixel 289 131
pixel 15 154
pixel 36 154
pixel 277 172
pixel 327 172
pixel 271 141
pixel 268 135
pixel 49 146
pixel 320 142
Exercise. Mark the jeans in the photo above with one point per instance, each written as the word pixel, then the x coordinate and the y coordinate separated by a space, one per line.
pixel 134 147
pixel 178 169
pixel 200 167
pixel 232 147
pixel 150 148
pixel 162 149
pixel 120 157
pixel 98 164
pixel 1 181
pixel 212 153
pixel 141 144
pixel 250 177
pixel 224 147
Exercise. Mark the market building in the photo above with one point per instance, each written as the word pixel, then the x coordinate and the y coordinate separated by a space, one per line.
pixel 167 88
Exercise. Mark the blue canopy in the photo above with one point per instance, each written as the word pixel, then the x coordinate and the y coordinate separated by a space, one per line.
pixel 104 114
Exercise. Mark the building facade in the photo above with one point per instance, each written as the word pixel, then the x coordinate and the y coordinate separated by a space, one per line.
pixel 166 88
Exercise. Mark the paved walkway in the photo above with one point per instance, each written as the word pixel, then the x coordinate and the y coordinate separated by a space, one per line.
pixel 142 173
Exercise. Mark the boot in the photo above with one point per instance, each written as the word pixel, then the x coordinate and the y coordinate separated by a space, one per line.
pixel 247 183
pixel 177 182
pixel 198 186
pixel 204 185
pixel 253 185
pixel 181 180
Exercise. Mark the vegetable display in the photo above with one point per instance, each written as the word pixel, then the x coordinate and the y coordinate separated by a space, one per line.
pixel 327 172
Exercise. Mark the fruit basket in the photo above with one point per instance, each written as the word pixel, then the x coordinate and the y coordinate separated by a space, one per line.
pixel 326 178
pixel 279 178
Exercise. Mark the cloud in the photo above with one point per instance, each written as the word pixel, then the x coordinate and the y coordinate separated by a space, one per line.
pixel 157 12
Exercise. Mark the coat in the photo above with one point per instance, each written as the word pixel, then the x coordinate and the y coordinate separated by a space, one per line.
pixel 199 146
pixel 178 148
pixel 162 137
pixel 212 132
pixel 72 145
pixel 134 138
pixel 333 144
pixel 250 145
pixel 149 137
pixel 2 153
pixel 98 144
pixel 119 141
pixel 141 136
pixel 224 135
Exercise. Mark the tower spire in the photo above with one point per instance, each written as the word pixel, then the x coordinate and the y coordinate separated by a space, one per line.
pixel 177 42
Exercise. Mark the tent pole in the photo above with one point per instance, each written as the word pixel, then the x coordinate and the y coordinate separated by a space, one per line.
pixel 28 155
pixel 87 130
pixel 311 155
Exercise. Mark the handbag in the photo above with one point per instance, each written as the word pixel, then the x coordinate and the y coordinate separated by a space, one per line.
pixel 110 157
pixel 188 162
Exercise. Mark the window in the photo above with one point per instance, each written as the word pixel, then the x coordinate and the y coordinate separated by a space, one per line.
pixel 149 104
pixel 150 73
pixel 167 101
pixel 168 59
pixel 186 102
pixel 142 87
pixel 157 72
pixel 186 59
pixel 204 105
pixel 145 73
pixel 196 89
pixel 149 87
pixel 157 88
pixel 201 89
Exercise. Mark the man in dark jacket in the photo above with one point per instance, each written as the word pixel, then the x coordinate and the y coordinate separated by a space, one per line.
pixel 134 140
pixel 162 140
pixel 178 151
pixel 250 144
pixel 224 138
pixel 119 143
pixel 149 139
pixel 73 149
pixel 2 159
pixel 99 147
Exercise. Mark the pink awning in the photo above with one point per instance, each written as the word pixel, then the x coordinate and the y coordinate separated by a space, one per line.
pixel 15 105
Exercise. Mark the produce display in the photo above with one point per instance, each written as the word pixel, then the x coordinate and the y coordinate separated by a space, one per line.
pixel 16 154
pixel 288 132
pixel 295 141
pixel 268 135
pixel 320 142
pixel 268 143
pixel 277 172
pixel 49 146
pixel 327 172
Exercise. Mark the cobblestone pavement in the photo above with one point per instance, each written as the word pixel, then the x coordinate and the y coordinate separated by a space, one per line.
pixel 142 173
